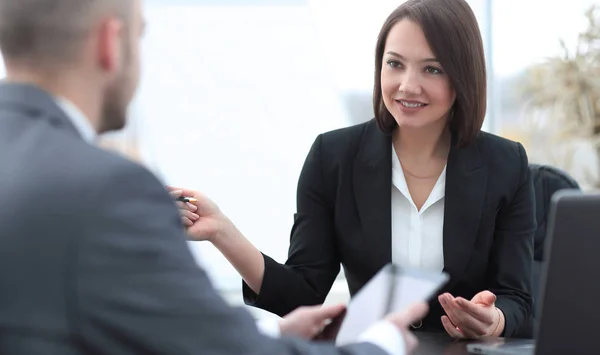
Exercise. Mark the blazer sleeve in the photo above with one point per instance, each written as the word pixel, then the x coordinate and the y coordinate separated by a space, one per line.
pixel 313 262
pixel 512 255
pixel 135 287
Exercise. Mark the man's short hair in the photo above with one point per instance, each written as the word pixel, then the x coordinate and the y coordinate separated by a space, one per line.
pixel 50 31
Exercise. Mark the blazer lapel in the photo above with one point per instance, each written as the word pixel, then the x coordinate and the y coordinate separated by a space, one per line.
pixel 466 181
pixel 372 180
pixel 35 103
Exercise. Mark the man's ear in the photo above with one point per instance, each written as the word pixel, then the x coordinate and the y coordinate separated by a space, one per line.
pixel 109 44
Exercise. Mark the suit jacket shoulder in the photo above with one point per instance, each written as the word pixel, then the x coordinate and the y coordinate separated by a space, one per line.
pixel 344 143
pixel 505 159
pixel 79 172
pixel 498 148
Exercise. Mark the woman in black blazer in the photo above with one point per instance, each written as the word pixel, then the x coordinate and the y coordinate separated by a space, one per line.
pixel 419 185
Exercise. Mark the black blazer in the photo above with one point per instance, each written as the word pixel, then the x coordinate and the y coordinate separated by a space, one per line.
pixel 344 216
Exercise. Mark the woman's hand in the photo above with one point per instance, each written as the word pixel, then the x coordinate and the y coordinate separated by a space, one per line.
pixel 472 319
pixel 205 221
pixel 202 218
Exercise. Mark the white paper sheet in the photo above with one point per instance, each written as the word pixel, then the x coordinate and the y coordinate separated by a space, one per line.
pixel 368 305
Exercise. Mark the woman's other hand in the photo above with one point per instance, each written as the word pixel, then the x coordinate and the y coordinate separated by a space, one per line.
pixel 472 319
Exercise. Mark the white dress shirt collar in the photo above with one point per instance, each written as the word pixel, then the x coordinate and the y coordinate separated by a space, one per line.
pixel 78 119
pixel 417 235
pixel 399 181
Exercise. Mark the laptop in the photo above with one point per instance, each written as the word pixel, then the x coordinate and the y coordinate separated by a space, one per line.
pixel 569 312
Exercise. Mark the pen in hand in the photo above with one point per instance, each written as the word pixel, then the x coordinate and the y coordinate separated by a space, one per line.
pixel 186 199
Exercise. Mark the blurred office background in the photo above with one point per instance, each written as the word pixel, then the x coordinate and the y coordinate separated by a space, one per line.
pixel 235 91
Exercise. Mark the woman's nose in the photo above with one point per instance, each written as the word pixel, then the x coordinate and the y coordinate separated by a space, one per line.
pixel 410 84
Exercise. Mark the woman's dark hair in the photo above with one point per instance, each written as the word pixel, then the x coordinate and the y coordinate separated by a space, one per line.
pixel 452 32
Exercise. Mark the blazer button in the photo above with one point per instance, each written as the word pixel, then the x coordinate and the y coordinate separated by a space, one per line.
pixel 417 325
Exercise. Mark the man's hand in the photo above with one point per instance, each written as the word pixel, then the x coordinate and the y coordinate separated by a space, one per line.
pixel 307 322
pixel 405 318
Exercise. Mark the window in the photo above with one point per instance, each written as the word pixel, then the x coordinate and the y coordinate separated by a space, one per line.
pixel 516 50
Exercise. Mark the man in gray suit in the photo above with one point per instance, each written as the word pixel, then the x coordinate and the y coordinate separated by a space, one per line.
pixel 93 256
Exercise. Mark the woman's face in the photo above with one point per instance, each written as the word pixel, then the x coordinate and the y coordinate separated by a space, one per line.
pixel 415 89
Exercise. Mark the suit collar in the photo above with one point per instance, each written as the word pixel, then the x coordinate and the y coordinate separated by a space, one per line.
pixel 78 119
pixel 467 158
pixel 34 102
pixel 374 148
pixel 372 180
pixel 465 192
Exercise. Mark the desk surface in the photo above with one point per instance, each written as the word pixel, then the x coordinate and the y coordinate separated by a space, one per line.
pixel 441 343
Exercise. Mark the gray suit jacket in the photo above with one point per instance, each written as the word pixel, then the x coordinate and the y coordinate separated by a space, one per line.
pixel 93 258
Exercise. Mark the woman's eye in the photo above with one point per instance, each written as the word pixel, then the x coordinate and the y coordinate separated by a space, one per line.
pixel 393 63
pixel 433 70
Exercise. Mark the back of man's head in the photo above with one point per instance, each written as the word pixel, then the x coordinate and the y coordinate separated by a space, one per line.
pixel 86 51
pixel 45 33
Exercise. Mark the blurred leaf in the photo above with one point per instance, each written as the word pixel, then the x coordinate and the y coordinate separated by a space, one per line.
pixel 565 90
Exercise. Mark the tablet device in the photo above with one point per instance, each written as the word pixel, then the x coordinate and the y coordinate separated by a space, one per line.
pixel 392 289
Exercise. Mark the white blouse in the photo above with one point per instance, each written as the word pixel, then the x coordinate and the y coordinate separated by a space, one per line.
pixel 417 236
